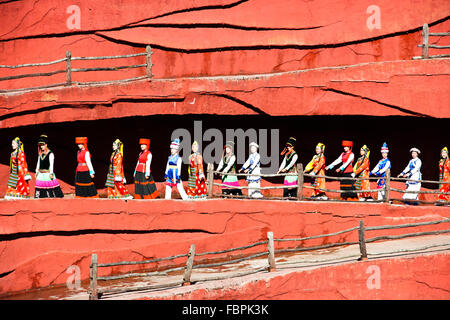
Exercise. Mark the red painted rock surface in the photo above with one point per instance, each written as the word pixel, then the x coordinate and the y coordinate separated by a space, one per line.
pixel 380 89
pixel 410 278
pixel 224 38
pixel 39 240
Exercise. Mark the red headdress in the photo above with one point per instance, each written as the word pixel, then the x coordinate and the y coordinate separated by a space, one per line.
pixel 346 143
pixel 81 140
pixel 145 141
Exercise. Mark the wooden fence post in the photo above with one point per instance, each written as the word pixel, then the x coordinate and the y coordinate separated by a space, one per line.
pixel 425 35
pixel 93 294
pixel 148 49
pixel 189 264
pixel 387 186
pixel 271 248
pixel 68 68
pixel 362 242
pixel 210 179
pixel 300 181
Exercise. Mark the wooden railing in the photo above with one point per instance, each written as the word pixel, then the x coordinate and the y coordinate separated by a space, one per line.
pixel 68 70
pixel 426 43
pixel 96 293
pixel 301 185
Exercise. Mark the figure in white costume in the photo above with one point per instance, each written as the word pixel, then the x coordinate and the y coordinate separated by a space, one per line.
pixel 252 165
pixel 412 171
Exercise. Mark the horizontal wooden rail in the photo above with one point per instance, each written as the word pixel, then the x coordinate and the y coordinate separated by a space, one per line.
pixel 435 46
pixel 408 235
pixel 122 263
pixel 68 59
pixel 233 249
pixel 439 34
pixel 110 57
pixel 34 64
pixel 420 191
pixel 344 191
pixel 318 236
pixel 210 265
pixel 108 68
pixel 421 181
pixel 28 75
pixel 324 246
pixel 407 225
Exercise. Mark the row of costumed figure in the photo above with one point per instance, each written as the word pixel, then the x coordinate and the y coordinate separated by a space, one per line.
pixel 47 185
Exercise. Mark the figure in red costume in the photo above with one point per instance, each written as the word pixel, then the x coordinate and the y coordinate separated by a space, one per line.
pixel 444 175
pixel 144 185
pixel 84 185
pixel 346 158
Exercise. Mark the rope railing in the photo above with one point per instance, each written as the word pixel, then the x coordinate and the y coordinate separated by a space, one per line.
pixel 68 70
pixel 386 188
pixel 96 293
pixel 426 45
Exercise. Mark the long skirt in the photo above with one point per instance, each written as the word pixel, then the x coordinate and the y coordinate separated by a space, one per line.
pixel 412 187
pixel 144 188
pixel 362 185
pixel 18 188
pixel 196 189
pixel 347 185
pixel 233 188
pixel 46 187
pixel 445 188
pixel 253 190
pixel 318 183
pixel 84 186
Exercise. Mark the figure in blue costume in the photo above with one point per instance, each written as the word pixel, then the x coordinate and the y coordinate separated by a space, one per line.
pixel 380 171
pixel 173 171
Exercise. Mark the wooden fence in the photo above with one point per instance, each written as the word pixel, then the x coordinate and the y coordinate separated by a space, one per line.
pixel 301 185
pixel 426 43
pixel 68 70
pixel 96 292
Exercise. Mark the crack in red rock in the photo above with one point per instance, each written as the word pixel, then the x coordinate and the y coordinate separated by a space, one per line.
pixel 432 287
pixel 378 102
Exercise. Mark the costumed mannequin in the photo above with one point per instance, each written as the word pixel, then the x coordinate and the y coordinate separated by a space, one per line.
pixel 144 185
pixel 317 167
pixel 346 158
pixel 380 171
pixel 444 175
pixel 115 179
pixel 19 177
pixel 361 170
pixel 84 185
pixel 173 171
pixel 252 165
pixel 289 166
pixel 197 181
pixel 412 171
pixel 228 165
pixel 47 185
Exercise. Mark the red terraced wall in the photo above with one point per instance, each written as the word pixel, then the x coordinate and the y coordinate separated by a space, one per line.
pixel 39 240
pixel 407 278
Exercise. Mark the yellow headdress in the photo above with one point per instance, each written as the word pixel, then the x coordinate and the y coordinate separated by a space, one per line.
pixel 445 149
pixel 19 143
pixel 120 145
pixel 321 146
pixel 366 150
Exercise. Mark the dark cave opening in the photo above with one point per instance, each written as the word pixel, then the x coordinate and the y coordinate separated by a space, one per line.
pixel 430 135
